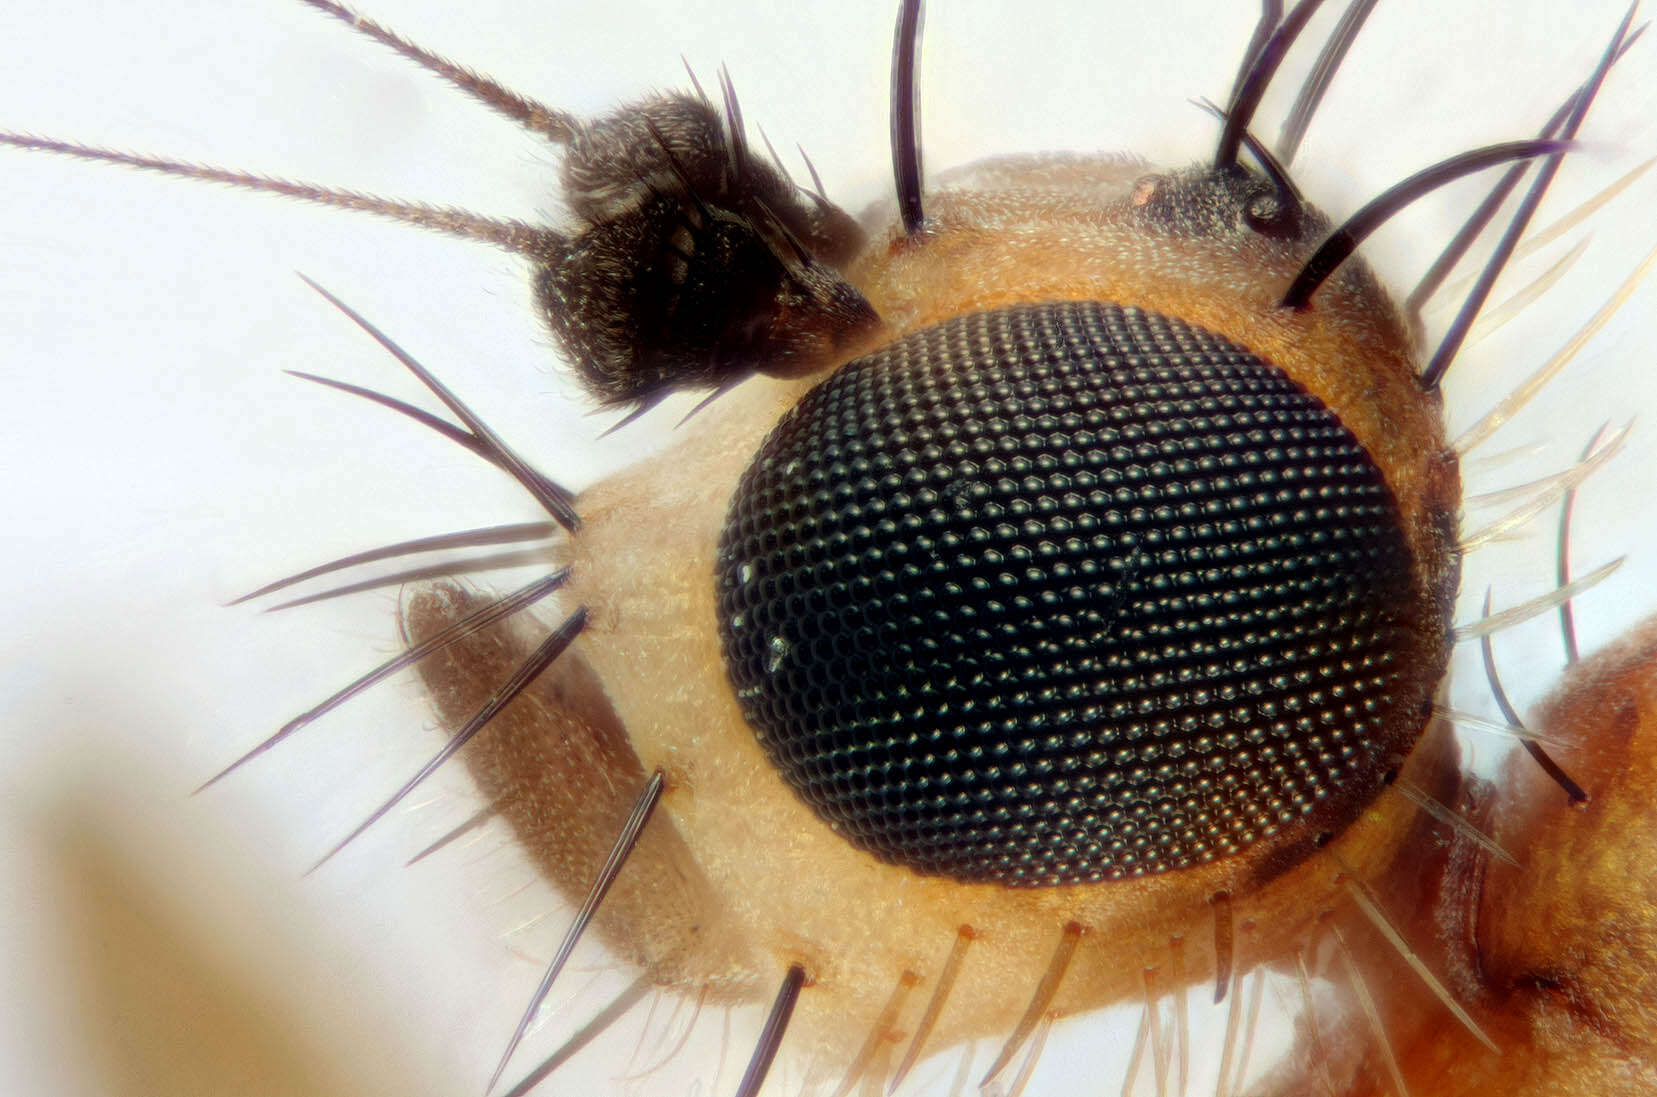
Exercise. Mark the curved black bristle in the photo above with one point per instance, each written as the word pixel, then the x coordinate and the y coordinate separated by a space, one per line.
pixel 470 538
pixel 557 501
pixel 1271 14
pixel 1262 67
pixel 1287 192
pixel 626 840
pixel 1450 344
pixel 770 1037
pixel 906 115
pixel 1345 240
pixel 1567 508
pixel 466 626
pixel 539 660
pixel 1462 242
pixel 1317 81
pixel 1511 715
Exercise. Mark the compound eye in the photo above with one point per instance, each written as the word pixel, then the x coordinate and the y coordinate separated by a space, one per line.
pixel 1066 593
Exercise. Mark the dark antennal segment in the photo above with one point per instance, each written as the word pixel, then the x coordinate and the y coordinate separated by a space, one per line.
pixel 1450 345
pixel 906 115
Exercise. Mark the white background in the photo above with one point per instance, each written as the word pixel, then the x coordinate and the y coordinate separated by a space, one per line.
pixel 156 461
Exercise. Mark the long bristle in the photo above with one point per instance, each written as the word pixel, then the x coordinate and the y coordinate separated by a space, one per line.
pixel 1578 795
pixel 906 116
pixel 1562 568
pixel 880 1033
pixel 1262 67
pixel 561 507
pixel 469 538
pixel 620 1006
pixel 1040 999
pixel 770 1037
pixel 1372 1014
pixel 541 658
pixel 941 986
pixel 1317 81
pixel 1377 918
pixel 1345 240
pixel 625 842
pixel 459 630
pixel 1450 345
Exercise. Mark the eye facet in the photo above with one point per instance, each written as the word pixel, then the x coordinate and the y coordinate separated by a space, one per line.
pixel 1056 594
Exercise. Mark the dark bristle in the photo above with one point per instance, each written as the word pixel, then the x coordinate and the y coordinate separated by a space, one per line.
pixel 626 840
pixel 1450 345
pixel 1477 221
pixel 1287 193
pixel 770 1037
pixel 1317 81
pixel 737 143
pixel 906 115
pixel 557 502
pixel 541 658
pixel 817 189
pixel 466 826
pixel 555 125
pixel 1271 14
pixel 494 561
pixel 1462 242
pixel 619 1007
pixel 1567 614
pixel 462 438
pixel 1345 240
pixel 1251 88
pixel 459 630
pixel 471 538
pixel 1511 715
